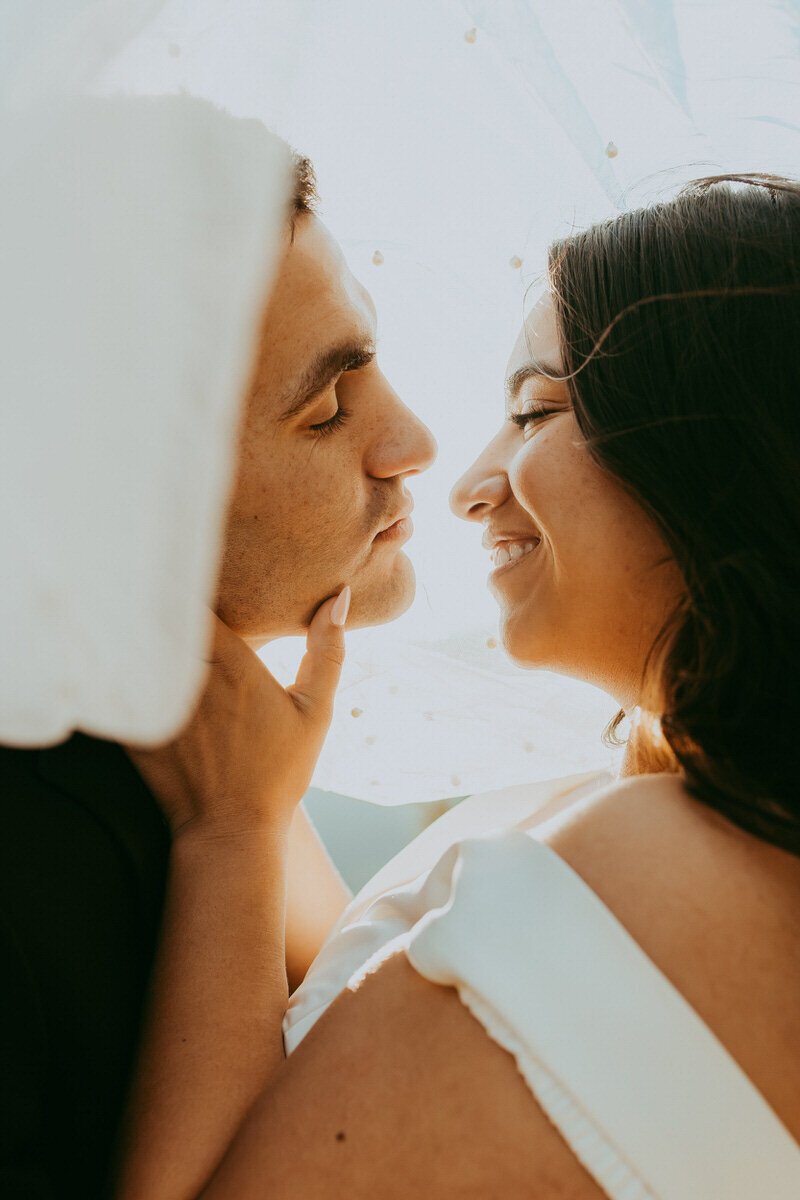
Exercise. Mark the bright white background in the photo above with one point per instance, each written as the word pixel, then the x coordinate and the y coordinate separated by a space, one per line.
pixel 455 139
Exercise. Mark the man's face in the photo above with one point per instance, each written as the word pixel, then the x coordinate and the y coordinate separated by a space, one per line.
pixel 325 449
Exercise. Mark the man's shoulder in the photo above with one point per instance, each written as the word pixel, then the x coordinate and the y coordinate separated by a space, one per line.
pixel 83 865
pixel 74 762
pixel 89 771
pixel 85 799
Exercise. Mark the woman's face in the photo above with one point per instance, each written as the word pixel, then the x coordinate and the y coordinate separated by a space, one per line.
pixel 583 577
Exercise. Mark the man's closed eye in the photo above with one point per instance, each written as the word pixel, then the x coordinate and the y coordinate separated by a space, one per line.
pixel 322 428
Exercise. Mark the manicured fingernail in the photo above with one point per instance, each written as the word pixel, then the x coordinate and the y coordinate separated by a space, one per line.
pixel 341 607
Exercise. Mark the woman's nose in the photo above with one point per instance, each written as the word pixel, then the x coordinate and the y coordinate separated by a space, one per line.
pixel 483 487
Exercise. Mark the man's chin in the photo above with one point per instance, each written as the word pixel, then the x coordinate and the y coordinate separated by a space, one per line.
pixel 379 602
pixel 374 602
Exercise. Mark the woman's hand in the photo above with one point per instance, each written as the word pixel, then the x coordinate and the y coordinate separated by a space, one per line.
pixel 246 757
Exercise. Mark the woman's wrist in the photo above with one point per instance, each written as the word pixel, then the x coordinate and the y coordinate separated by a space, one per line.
pixel 232 836
pixel 234 861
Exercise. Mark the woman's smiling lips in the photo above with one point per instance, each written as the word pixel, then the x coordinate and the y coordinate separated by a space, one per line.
pixel 509 549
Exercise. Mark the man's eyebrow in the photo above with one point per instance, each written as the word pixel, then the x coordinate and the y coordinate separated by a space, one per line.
pixel 322 369
pixel 535 367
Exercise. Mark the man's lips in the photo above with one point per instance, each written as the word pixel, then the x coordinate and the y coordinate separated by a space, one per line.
pixel 403 515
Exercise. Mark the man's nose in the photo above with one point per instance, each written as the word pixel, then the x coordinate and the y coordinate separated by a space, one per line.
pixel 481 488
pixel 406 446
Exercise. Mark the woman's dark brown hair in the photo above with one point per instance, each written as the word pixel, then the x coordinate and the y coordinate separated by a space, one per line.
pixel 680 329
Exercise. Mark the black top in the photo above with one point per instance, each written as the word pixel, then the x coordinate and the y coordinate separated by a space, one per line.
pixel 83 865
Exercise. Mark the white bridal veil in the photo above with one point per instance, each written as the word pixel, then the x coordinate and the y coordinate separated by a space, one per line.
pixel 453 140
pixel 136 241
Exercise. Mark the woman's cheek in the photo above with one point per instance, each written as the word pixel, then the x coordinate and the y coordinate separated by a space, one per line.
pixel 530 476
pixel 521 471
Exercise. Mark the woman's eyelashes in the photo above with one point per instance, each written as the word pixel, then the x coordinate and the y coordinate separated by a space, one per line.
pixel 525 420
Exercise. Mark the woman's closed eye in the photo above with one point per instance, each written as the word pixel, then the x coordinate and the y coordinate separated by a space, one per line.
pixel 526 419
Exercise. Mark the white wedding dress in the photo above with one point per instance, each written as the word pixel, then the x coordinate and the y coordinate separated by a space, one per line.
pixel 640 1088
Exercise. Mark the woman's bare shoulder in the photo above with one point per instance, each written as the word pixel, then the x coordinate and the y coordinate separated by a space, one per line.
pixel 658 857
pixel 399 1091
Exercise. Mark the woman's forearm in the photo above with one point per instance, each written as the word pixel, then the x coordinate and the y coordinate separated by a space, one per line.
pixel 218 997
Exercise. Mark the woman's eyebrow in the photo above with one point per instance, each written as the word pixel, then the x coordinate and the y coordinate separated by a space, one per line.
pixel 514 382
pixel 322 369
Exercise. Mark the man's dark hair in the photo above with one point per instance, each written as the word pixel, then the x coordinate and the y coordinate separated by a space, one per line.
pixel 305 197
pixel 678 324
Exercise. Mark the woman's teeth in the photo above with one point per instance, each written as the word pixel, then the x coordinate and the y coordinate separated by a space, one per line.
pixel 512 550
